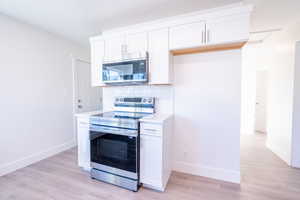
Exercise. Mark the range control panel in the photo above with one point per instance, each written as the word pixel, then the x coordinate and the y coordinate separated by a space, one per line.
pixel 135 100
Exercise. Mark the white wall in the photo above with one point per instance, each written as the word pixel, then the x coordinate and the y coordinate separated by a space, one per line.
pixel 248 90
pixel 252 61
pixel 163 95
pixel 207 109
pixel 296 111
pixel 36 94
pixel 279 55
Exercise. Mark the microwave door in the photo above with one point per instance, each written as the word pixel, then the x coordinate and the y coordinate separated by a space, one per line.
pixel 125 72
pixel 121 72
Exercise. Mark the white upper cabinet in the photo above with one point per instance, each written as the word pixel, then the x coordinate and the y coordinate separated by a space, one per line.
pixel 159 57
pixel 137 42
pixel 227 29
pixel 114 47
pixel 191 33
pixel 97 56
pixel 187 36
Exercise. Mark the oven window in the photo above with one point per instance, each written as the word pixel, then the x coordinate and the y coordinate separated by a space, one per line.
pixel 114 151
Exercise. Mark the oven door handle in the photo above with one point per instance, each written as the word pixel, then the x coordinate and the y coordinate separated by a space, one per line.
pixel 97 130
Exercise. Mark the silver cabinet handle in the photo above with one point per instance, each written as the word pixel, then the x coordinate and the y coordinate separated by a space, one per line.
pixel 202 41
pixel 208 36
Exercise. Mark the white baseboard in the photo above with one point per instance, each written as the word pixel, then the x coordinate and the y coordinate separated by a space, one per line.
pixel 210 172
pixel 18 164
pixel 283 155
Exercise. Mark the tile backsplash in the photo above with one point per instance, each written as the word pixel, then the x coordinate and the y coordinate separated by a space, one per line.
pixel 163 96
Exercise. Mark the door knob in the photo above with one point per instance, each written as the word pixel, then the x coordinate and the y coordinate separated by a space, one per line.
pixel 79 100
pixel 79 106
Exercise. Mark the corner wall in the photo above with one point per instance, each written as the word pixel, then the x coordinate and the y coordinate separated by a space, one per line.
pixel 279 53
pixel 207 107
pixel 248 92
pixel 296 111
pixel 36 118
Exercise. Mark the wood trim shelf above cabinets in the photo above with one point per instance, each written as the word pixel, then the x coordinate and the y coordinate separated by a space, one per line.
pixel 209 48
pixel 213 30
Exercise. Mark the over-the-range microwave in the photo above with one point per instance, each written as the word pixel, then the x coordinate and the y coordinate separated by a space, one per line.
pixel 127 71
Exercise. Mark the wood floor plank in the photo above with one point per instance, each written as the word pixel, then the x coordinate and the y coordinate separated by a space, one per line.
pixel 264 177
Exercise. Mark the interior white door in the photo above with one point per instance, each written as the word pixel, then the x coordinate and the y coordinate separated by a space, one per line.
pixel 261 95
pixel 87 98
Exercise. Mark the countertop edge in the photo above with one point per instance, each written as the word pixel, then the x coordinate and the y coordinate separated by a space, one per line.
pixel 157 118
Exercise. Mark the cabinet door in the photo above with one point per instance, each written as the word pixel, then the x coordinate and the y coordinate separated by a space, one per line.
pixel 137 42
pixel 151 160
pixel 83 144
pixel 227 29
pixel 159 57
pixel 187 36
pixel 114 47
pixel 97 54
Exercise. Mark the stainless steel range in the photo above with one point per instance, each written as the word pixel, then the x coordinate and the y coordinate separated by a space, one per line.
pixel 115 142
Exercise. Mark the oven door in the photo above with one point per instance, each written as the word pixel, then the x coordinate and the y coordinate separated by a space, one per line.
pixel 115 151
pixel 125 72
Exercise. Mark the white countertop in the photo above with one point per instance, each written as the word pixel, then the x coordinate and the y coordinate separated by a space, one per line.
pixel 88 114
pixel 156 118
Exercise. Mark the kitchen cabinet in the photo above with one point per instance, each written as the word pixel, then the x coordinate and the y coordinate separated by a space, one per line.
pixel 137 42
pixel 155 154
pixel 227 30
pixel 160 66
pixel 97 56
pixel 83 142
pixel 114 48
pixel 150 160
pixel 187 35
pixel 216 30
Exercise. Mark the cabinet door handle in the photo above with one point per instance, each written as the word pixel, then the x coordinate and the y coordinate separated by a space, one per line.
pixel 202 35
pixel 208 36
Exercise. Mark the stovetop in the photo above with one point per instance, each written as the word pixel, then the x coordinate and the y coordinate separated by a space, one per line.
pixel 127 120
pixel 127 112
pixel 121 115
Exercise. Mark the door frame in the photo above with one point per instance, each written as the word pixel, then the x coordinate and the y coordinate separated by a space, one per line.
pixel 74 91
pixel 265 71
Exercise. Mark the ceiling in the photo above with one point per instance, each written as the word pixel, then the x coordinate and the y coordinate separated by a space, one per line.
pixel 78 19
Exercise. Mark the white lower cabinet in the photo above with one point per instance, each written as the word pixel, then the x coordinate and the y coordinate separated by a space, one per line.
pixel 155 154
pixel 83 143
pixel 150 161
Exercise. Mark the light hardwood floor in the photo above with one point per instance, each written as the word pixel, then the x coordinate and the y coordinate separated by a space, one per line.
pixel 264 177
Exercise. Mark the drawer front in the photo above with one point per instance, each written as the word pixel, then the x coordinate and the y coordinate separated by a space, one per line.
pixel 151 129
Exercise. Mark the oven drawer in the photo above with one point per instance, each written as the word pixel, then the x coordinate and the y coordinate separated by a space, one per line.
pixel 151 129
